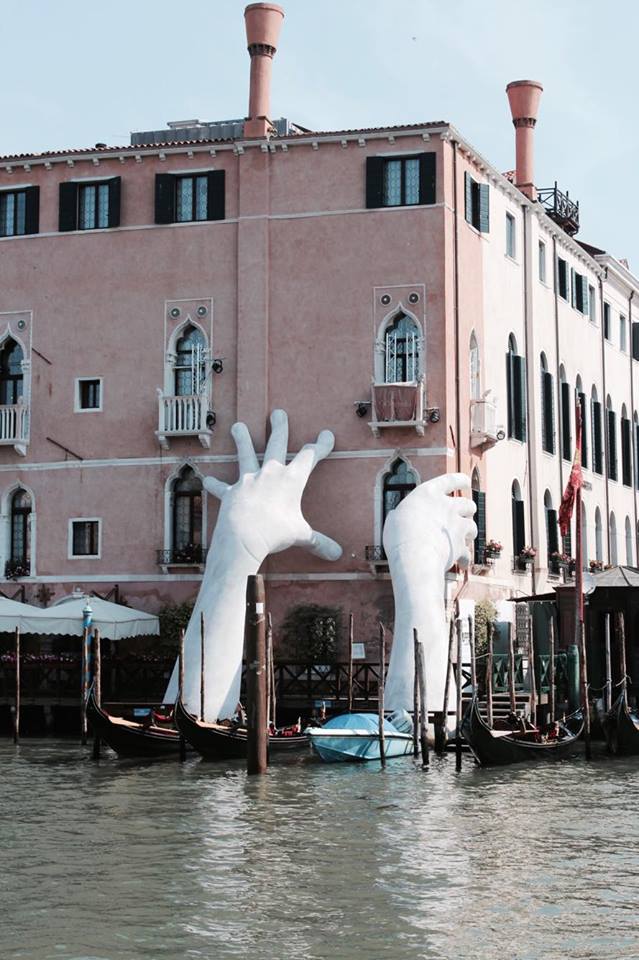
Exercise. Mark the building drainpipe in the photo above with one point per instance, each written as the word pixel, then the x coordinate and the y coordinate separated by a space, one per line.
pixel 604 407
pixel 557 365
pixel 633 431
pixel 531 432
pixel 456 309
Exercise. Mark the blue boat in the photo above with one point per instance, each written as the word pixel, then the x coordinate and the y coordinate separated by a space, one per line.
pixel 355 737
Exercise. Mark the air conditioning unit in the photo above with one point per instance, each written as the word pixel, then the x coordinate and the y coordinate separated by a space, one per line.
pixel 484 429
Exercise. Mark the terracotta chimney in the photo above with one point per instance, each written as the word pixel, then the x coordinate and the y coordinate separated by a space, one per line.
pixel 263 24
pixel 524 97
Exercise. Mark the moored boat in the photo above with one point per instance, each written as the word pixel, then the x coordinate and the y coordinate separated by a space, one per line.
pixel 494 746
pixel 355 737
pixel 219 741
pixel 621 726
pixel 130 738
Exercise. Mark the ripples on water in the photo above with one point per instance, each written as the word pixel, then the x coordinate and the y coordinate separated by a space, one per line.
pixel 125 861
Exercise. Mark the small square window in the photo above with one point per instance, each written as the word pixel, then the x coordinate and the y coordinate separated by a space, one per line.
pixel 562 278
pixel 511 246
pixel 88 394
pixel 84 537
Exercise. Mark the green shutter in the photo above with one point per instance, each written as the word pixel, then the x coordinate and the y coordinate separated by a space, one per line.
pixel 585 304
pixel 510 393
pixel 552 532
pixel 32 210
pixel 519 526
pixel 374 182
pixel 520 397
pixel 215 202
pixel 468 197
pixel 484 207
pixel 584 429
pixel 164 198
pixel 573 288
pixel 635 341
pixel 626 454
pixel 612 445
pixel 427 184
pixel 548 413
pixel 566 439
pixel 597 447
pixel 68 211
pixel 114 201
pixel 480 519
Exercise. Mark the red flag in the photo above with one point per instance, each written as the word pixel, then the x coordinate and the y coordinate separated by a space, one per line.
pixel 575 481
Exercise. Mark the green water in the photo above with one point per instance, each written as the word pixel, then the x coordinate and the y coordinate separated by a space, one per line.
pixel 126 861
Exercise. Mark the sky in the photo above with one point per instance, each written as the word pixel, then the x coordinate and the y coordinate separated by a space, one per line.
pixel 77 72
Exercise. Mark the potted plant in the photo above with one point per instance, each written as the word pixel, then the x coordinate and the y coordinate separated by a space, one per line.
pixel 525 557
pixel 493 549
pixel 596 566
pixel 14 569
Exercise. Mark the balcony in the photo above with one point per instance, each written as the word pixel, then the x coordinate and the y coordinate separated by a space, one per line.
pixel 190 555
pixel 184 417
pixel 14 426
pixel 397 405
pixel 484 431
pixel 560 208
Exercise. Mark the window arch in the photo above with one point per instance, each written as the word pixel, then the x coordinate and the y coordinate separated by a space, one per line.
pixel 398 483
pixel 401 350
pixel 190 366
pixel 19 563
pixel 518 519
pixel 597 432
pixel 11 374
pixel 598 536
pixel 566 402
pixel 611 421
pixel 475 368
pixel 629 550
pixel 186 509
pixel 516 391
pixel 479 497
pixel 547 407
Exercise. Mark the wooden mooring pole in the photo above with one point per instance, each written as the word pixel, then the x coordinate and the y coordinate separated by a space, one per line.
pixel 84 683
pixel 181 689
pixel 608 697
pixel 489 673
pixel 511 669
pixel 202 677
pixel 622 654
pixel 16 715
pixel 441 730
pixel 380 693
pixel 583 675
pixel 255 643
pixel 551 676
pixel 423 699
pixel 415 694
pixel 458 712
pixel 350 662
pixel 270 714
pixel 97 689
pixel 532 673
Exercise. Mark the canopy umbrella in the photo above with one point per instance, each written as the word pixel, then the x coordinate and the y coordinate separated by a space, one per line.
pixel 66 617
pixel 13 614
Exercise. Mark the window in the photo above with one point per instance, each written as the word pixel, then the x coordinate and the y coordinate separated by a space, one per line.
pixel 626 449
pixel 89 206
pixel 516 391
pixel 518 520
pixel 542 261
pixel 628 530
pixel 552 531
pixel 606 320
pixel 547 408
pixel 398 483
pixel 477 203
pixel 19 211
pixel 562 278
pixel 635 339
pixel 581 398
pixel 190 370
pixel 611 420
pixel 613 540
pixel 84 537
pixel 598 536
pixel 475 369
pixel 597 433
pixel 579 292
pixel 623 335
pixel 592 306
pixel 187 518
pixel 88 394
pixel 401 181
pixel 191 198
pixel 511 245
pixel 566 403
pixel 19 563
pixel 479 497
pixel 11 376
pixel 635 422
pixel 401 351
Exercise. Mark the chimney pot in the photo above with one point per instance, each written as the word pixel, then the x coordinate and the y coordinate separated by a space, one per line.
pixel 263 24
pixel 524 97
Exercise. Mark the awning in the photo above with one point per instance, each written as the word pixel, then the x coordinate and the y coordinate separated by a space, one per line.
pixel 66 618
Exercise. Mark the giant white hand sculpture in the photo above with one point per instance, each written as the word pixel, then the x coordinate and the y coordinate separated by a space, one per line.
pixel 259 515
pixel 424 536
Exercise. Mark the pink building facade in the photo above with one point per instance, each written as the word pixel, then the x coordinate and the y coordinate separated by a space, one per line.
pixel 373 282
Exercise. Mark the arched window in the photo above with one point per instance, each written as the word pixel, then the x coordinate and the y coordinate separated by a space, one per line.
pixel 401 350
pixel 516 391
pixel 614 560
pixel 547 407
pixel 11 376
pixel 480 518
pixel 566 403
pixel 611 419
pixel 20 549
pixel 626 448
pixel 629 550
pixel 398 483
pixel 583 406
pixel 552 533
pixel 475 369
pixel 190 371
pixel 187 518
pixel 518 520
pixel 598 537
pixel 597 432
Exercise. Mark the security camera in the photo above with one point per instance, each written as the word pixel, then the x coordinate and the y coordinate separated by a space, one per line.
pixel 211 419
pixel 434 415
pixel 217 365
pixel 501 434
pixel 361 409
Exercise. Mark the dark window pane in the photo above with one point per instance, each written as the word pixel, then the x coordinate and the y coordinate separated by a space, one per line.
pixel 85 538
pixel 89 394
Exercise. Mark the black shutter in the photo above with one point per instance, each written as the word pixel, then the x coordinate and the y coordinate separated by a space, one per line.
pixel 68 213
pixel 548 418
pixel 520 397
pixel 584 430
pixel 565 421
pixel 215 208
pixel 626 456
pixel 552 532
pixel 597 446
pixel 573 286
pixel 480 519
pixel 114 201
pixel 637 455
pixel 519 528
pixel 612 445
pixel 585 295
pixel 427 185
pixel 374 182
pixel 32 210
pixel 635 341
pixel 484 207
pixel 164 198
pixel 468 194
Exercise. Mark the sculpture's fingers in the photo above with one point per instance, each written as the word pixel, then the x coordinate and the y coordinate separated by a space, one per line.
pixel 470 529
pixel 323 547
pixel 278 440
pixel 303 462
pixel 216 487
pixel 247 460
pixel 464 506
pixel 448 483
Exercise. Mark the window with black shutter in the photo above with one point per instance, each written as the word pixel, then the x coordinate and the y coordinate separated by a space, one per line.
pixel 400 181
pixel 584 429
pixel 19 211
pixel 548 412
pixel 519 528
pixel 597 444
pixel 626 453
pixel 580 292
pixel 89 205
pixel 612 445
pixel 552 532
pixel 562 278
pixel 480 519
pixel 636 455
pixel 190 198
pixel 566 439
pixel 606 320
pixel 477 203
pixel 516 392
pixel 635 340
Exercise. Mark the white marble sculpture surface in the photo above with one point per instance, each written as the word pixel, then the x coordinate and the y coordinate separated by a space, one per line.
pixel 260 514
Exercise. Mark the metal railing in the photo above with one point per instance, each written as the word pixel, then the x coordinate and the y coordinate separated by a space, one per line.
pixel 375 554
pixel 560 208
pixel 190 554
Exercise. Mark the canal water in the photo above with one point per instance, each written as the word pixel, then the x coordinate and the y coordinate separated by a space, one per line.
pixel 129 861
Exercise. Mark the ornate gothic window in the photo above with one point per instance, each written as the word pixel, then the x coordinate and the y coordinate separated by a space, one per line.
pixel 19 563
pixel 401 350
pixel 11 376
pixel 190 371
pixel 398 483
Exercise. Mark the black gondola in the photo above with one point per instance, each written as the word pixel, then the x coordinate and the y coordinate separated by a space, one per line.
pixel 621 727
pixel 217 741
pixel 131 739
pixel 497 747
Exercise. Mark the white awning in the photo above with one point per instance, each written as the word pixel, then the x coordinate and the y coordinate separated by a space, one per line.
pixel 66 618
